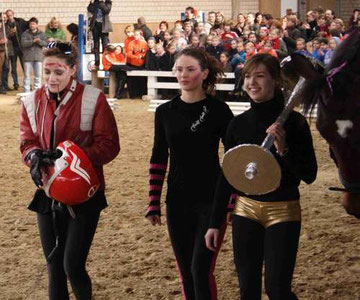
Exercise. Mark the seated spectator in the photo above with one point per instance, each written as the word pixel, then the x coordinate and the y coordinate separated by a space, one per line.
pixel 224 59
pixel 266 20
pixel 318 53
pixel 250 50
pixel 201 32
pixel 113 60
pixel 240 25
pixel 161 59
pixel 301 47
pixel 253 37
pixel 54 32
pixel 268 49
pixel 178 24
pixel 250 21
pixel 195 41
pixel 129 32
pixel 210 22
pixel 159 35
pixel 309 47
pixel 232 51
pixel 146 31
pixel 333 43
pixel 188 31
pixel 167 38
pixel 240 56
pixel 291 33
pixel 171 52
pixel 278 43
pixel 150 62
pixel 263 35
pixel 219 23
pixel 179 40
pixel 321 25
pixel 215 48
pixel 228 35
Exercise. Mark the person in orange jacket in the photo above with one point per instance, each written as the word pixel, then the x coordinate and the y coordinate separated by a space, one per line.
pixel 137 49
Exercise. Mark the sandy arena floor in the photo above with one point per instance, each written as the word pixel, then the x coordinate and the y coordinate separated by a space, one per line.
pixel 132 260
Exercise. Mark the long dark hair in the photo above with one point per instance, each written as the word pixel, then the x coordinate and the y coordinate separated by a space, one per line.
pixel 208 62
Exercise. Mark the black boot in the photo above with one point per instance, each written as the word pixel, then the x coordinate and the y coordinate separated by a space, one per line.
pixel 120 89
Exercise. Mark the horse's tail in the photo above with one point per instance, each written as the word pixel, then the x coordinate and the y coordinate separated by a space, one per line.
pixel 311 92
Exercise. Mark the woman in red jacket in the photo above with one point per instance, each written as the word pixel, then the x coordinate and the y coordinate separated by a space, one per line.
pixel 64 109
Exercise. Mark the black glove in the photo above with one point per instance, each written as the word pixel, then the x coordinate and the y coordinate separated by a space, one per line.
pixel 41 158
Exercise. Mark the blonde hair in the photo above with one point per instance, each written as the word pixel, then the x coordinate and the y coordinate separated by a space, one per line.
pixel 52 21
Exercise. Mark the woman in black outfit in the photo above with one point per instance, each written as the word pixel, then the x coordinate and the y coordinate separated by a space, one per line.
pixel 266 228
pixel 189 127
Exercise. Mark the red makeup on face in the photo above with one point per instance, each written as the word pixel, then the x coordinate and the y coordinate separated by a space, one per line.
pixel 189 73
pixel 57 73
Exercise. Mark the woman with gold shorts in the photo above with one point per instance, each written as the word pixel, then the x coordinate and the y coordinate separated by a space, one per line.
pixel 266 228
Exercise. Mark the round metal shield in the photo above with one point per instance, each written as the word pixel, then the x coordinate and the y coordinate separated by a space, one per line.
pixel 239 159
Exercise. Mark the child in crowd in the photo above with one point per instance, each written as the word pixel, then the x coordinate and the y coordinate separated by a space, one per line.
pixel 150 63
pixel 309 47
pixel 333 43
pixel 232 51
pixel 224 59
pixel 195 41
pixel 263 34
pixel 301 47
pixel 317 52
pixel 268 48
pixel 278 43
pixel 167 38
pixel 215 48
pixel 179 40
pixel 250 50
pixel 239 58
pixel 254 39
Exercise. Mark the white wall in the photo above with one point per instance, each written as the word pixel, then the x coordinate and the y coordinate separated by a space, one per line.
pixel 285 4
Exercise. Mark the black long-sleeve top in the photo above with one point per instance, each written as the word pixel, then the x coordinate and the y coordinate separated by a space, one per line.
pixel 298 164
pixel 190 133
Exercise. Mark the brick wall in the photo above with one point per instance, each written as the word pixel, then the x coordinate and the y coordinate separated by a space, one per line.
pixel 123 11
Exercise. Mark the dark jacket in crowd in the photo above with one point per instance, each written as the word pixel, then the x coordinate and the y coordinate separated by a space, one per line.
pixel 105 7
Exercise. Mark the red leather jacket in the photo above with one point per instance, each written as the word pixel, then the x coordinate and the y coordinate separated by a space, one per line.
pixel 83 116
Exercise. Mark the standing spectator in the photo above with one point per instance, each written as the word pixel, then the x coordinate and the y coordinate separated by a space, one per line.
pixel 210 21
pixel 73 29
pixel 219 22
pixel 190 16
pixel 3 52
pixel 16 27
pixel 32 42
pixel 54 31
pixel 141 24
pixel 100 25
pixel 136 55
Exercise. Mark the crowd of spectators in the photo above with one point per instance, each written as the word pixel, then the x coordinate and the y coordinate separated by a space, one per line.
pixel 231 41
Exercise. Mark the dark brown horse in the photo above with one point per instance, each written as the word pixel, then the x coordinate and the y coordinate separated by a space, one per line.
pixel 336 93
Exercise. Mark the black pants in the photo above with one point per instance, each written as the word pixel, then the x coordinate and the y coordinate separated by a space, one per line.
pixel 276 246
pixel 195 262
pixel 97 35
pixel 69 259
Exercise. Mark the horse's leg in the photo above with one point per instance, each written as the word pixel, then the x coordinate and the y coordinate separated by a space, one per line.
pixel 351 203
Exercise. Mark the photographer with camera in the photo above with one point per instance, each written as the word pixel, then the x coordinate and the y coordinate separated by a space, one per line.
pixel 100 25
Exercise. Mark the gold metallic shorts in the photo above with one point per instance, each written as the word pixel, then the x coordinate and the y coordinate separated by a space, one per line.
pixel 268 213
